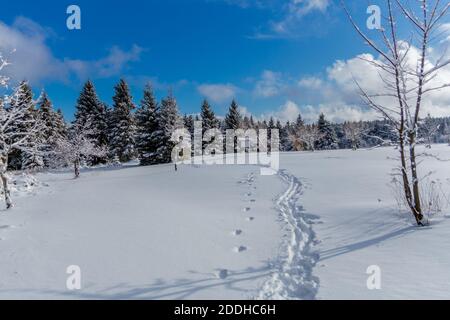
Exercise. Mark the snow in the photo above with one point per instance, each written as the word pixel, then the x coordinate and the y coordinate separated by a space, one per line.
pixel 142 233
pixel 359 226
pixel 225 232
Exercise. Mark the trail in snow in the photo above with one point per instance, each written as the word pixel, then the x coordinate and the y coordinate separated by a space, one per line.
pixel 293 276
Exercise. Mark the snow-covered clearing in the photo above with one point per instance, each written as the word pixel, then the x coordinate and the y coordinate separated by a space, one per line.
pixel 143 232
pixel 226 232
pixel 359 225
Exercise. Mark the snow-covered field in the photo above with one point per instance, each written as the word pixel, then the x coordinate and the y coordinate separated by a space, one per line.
pixel 225 232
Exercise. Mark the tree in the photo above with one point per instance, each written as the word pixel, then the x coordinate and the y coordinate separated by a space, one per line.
pixel 353 132
pixel 209 120
pixel 90 110
pixel 12 116
pixel 147 128
pixel 76 147
pixel 30 158
pixel 429 128
pixel 305 138
pixel 169 120
pixel 233 119
pixel 53 127
pixel 408 74
pixel 122 130
pixel 327 138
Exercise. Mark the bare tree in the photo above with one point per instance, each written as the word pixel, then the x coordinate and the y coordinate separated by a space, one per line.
pixel 353 132
pixel 305 137
pixel 77 146
pixel 408 74
pixel 429 130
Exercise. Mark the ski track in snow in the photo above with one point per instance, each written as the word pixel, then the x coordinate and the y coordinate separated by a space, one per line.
pixel 293 276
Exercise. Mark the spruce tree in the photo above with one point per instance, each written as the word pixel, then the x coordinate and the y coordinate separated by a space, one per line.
pixel 233 119
pixel 60 124
pixel 31 158
pixel 209 120
pixel 91 115
pixel 122 126
pixel 188 121
pixel 328 139
pixel 147 128
pixel 53 127
pixel 169 120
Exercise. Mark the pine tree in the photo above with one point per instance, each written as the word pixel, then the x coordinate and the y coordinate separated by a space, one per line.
pixel 30 157
pixel 188 121
pixel 53 127
pixel 299 122
pixel 122 126
pixel 169 120
pixel 233 119
pixel 328 138
pixel 60 124
pixel 147 128
pixel 252 123
pixel 209 120
pixel 91 114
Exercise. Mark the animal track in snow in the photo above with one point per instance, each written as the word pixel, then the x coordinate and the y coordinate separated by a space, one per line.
pixel 250 218
pixel 247 209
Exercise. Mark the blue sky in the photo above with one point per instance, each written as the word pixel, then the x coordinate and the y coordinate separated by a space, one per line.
pixel 266 54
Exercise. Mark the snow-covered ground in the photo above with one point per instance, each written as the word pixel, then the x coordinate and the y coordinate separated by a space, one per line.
pixel 226 232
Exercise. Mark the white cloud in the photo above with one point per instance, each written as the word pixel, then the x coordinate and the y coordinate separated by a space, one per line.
pixel 218 92
pixel 270 84
pixel 445 29
pixel 295 12
pixel 310 83
pixel 290 110
pixel 24 44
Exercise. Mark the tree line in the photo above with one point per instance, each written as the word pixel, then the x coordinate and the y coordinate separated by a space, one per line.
pixel 125 131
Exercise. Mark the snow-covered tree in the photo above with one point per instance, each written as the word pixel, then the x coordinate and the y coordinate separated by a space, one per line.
pixel 169 120
pixel 53 127
pixel 77 147
pixel 90 110
pixel 30 158
pixel 123 128
pixel 12 117
pixel 353 132
pixel 305 137
pixel 328 139
pixel 147 128
pixel 233 119
pixel 209 120
pixel 408 71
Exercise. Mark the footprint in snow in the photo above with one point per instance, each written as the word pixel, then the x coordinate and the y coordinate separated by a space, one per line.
pixel 240 249
pixel 221 274
pixel 250 218
pixel 246 209
pixel 237 232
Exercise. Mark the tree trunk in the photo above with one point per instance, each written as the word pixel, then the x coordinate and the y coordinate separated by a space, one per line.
pixel 76 166
pixel 416 190
pixel 3 167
